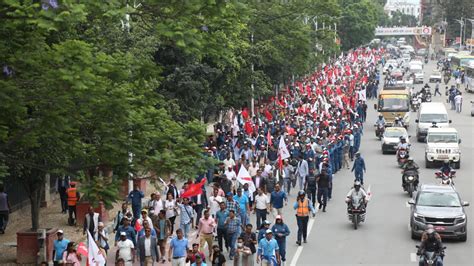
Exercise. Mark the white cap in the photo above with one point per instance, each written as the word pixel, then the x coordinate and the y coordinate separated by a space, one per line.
pixel 60 231
pixel 123 234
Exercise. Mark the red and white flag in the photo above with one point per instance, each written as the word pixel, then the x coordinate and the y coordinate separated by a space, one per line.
pixel 94 257
pixel 283 150
pixel 244 178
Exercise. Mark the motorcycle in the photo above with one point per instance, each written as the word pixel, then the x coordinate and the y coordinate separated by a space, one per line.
pixel 411 181
pixel 446 178
pixel 428 97
pixel 426 60
pixel 356 211
pixel 415 103
pixel 431 257
pixel 379 130
pixel 402 157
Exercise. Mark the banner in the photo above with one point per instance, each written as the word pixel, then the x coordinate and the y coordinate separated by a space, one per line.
pixel 380 31
pixel 244 178
pixel 283 150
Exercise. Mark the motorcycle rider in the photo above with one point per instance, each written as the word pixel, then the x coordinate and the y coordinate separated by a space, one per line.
pixel 356 192
pixel 380 122
pixel 446 168
pixel 410 165
pixel 403 145
pixel 397 122
pixel 431 242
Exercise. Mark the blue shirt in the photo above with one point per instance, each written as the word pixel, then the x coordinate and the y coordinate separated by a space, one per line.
pixel 186 213
pixel 135 196
pixel 276 199
pixel 221 217
pixel 60 247
pixel 267 248
pixel 243 201
pixel 180 247
pixel 129 231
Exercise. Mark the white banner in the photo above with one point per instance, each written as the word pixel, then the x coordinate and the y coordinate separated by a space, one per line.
pixel 380 31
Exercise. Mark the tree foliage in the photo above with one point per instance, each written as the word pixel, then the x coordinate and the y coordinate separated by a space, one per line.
pixel 359 21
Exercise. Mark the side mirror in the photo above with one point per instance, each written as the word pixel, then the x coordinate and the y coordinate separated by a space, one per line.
pixel 375 106
pixel 416 121
pixel 465 203
pixel 411 202
pixel 450 121
pixel 459 141
pixel 409 136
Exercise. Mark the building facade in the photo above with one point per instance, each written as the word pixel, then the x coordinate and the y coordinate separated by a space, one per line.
pixel 407 7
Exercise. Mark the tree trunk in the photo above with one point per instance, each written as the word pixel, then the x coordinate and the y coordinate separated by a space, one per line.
pixel 35 201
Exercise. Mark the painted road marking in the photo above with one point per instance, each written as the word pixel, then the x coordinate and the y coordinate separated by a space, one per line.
pixel 295 258
pixel 413 257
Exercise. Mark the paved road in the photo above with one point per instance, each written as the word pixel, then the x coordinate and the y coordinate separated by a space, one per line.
pixel 384 239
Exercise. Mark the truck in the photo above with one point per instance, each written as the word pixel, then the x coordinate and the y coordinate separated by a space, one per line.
pixel 394 101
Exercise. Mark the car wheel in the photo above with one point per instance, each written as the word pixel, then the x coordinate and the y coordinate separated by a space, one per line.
pixel 384 151
pixel 414 236
pixel 463 238
pixel 427 163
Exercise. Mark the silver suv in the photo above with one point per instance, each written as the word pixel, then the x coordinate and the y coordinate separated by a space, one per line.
pixel 440 206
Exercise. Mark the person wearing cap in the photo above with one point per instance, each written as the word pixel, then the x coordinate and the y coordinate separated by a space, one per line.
pixel 125 250
pixel 91 222
pixel 359 168
pixel 135 197
pixel 303 209
pixel 127 230
pixel 280 232
pixel 178 249
pixel 233 226
pixel 59 246
pixel 268 250
pixel 263 229
pixel 145 217
pixel 102 237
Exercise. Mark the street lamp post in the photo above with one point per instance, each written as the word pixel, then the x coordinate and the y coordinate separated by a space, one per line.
pixel 252 100
pixel 461 23
pixel 471 42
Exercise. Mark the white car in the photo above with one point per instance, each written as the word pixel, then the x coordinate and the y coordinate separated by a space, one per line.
pixel 391 138
pixel 442 144
pixel 435 77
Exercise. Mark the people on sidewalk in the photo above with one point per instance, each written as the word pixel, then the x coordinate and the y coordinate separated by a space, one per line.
pixel 4 209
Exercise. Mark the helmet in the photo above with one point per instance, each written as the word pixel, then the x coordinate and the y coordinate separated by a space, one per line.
pixel 357 185
pixel 357 153
pixel 301 193
pixel 402 138
pixel 410 159
pixel 380 115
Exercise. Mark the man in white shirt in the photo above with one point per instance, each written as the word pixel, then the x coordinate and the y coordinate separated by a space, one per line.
pixel 253 168
pixel 458 102
pixel 261 206
pixel 156 204
pixel 145 217
pixel 230 174
pixel 229 162
pixel 214 202
pixel 147 249
pixel 125 250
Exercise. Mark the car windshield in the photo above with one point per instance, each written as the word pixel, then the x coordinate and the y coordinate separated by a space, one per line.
pixel 430 118
pixel 442 138
pixel 393 103
pixel 438 199
pixel 394 133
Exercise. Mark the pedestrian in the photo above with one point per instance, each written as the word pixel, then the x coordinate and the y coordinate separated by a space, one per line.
pixel 194 253
pixel 143 227
pixel 70 256
pixel 303 209
pixel 232 225
pixel 62 184
pixel 125 250
pixel 217 259
pixel 214 202
pixel 4 209
pixel 244 207
pixel 59 246
pixel 171 209
pixel 135 197
pixel 147 249
pixel 127 230
pixel 270 182
pixel 199 204
pixel 302 172
pixel 91 222
pixel 199 261
pixel 103 237
pixel 280 232
pixel 243 254
pixel 186 215
pixel 311 186
pixel 288 176
pixel 359 168
pixel 221 217
pixel 178 249
pixel 205 231
pixel 345 151
pixel 118 221
pixel 73 197
pixel 173 189
pixel 163 231
pixel 458 102
pixel 437 88
pixel 144 218
pixel 261 206
pixel 277 199
pixel 259 181
pixel 156 204
pixel 323 180
pixel 268 250
pixel 250 240
pixel 231 204
pixel 263 229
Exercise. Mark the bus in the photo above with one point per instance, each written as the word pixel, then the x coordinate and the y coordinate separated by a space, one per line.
pixel 393 101
pixel 469 77
pixel 461 61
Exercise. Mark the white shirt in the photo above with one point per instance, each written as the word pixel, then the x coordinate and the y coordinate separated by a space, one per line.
pixel 125 249
pixel 458 99
pixel 261 201
pixel 214 204
pixel 147 246
pixel 253 170
pixel 157 206
pixel 229 163
pixel 140 221
pixel 230 175
pixel 170 207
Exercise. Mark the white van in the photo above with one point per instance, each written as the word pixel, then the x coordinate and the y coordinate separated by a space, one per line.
pixel 430 114
pixel 416 71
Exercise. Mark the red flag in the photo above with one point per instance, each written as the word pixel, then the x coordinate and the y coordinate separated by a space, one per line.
pixel 138 226
pixel 82 249
pixel 280 162
pixel 269 138
pixel 248 127
pixel 245 113
pixel 194 189
pixel 268 115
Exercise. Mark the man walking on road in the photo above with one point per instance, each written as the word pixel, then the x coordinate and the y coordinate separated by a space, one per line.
pixel 73 197
pixel 323 188
pixel 268 250
pixel 359 168
pixel 281 231
pixel 135 197
pixel 59 245
pixel 302 172
pixel 458 102
pixel 148 249
pixel 178 249
pixel 303 208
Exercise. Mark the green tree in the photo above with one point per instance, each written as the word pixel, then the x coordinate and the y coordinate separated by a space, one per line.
pixel 358 24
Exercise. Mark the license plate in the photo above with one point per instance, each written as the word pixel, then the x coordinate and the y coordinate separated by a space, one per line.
pixel 440 228
pixel 442 157
pixel 395 146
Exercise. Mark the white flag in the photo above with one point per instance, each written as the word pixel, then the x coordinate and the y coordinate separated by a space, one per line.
pixel 282 150
pixel 362 95
pixel 244 178
pixel 95 257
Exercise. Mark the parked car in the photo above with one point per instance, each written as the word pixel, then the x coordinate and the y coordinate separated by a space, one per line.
pixel 441 206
